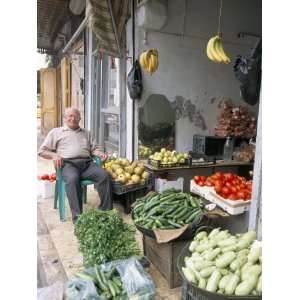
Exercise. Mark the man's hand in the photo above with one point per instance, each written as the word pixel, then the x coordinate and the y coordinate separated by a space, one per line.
pixel 58 161
pixel 100 154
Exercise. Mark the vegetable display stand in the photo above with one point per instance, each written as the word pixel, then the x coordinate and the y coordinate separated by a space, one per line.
pixel 190 291
pixel 163 257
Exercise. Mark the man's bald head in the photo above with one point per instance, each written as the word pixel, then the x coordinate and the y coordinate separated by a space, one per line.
pixel 72 117
pixel 72 110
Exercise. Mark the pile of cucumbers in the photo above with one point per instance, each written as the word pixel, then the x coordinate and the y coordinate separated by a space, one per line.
pixel 109 284
pixel 224 263
pixel 170 209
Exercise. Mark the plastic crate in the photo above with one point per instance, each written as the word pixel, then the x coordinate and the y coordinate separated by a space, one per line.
pixel 119 188
pixel 159 164
pixel 129 197
pixel 191 292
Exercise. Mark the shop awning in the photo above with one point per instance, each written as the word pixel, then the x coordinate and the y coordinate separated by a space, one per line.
pixel 107 20
pixel 52 16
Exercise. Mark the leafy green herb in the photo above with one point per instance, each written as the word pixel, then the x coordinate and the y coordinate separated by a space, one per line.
pixel 104 236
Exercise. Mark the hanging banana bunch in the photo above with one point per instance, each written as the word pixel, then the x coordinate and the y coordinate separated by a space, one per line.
pixel 215 51
pixel 214 48
pixel 149 60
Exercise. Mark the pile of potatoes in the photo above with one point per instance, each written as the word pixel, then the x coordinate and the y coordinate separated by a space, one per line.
pixel 126 172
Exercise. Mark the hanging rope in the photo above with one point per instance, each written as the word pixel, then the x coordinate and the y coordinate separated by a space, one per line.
pixel 220 15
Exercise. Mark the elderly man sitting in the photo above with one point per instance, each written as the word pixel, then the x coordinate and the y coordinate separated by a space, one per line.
pixel 71 147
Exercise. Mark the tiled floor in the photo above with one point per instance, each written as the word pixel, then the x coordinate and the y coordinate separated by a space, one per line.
pixel 65 243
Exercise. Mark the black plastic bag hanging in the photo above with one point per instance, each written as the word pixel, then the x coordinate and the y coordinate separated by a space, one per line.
pixel 134 81
pixel 247 70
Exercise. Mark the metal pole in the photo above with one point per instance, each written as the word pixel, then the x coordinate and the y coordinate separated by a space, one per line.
pixel 76 34
pixel 133 61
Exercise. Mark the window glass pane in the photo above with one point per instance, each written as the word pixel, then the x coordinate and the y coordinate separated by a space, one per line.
pixel 113 87
pixel 111 133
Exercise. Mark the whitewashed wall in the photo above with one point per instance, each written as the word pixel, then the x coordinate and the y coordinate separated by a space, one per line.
pixel 184 68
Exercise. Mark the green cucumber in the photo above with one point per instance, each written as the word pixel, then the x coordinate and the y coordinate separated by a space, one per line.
pixel 176 212
pixel 192 217
pixel 100 282
pixel 85 276
pixel 174 224
pixel 181 213
pixel 117 281
pixel 111 288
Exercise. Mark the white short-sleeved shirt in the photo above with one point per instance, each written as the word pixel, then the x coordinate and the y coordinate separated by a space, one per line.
pixel 69 143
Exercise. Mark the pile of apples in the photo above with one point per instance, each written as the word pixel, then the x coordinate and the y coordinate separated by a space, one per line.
pixel 169 157
pixel 126 172
pixel 144 151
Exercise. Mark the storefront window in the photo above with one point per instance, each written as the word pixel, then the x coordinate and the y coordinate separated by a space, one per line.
pixel 105 100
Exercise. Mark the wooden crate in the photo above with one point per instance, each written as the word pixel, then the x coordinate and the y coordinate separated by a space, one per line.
pixel 164 258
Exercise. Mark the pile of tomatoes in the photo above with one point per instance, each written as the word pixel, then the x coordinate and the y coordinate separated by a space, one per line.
pixel 49 177
pixel 227 185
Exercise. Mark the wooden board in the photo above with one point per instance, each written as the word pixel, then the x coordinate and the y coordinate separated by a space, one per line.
pixel 66 82
pixel 48 100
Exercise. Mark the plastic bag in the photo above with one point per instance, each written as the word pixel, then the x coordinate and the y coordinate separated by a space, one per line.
pixel 78 289
pixel 247 70
pixel 134 81
pixel 136 281
pixel 52 292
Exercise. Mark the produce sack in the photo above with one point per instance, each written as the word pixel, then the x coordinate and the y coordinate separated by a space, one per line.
pixel 134 81
pixel 135 281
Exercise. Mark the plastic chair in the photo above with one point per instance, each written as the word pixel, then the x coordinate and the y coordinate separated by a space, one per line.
pixel 59 197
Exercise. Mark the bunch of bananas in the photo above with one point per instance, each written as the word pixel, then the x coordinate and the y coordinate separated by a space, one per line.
pixel 149 60
pixel 215 51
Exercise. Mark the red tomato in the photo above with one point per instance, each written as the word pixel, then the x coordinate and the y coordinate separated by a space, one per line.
pixel 208 183
pixel 45 177
pixel 243 185
pixel 225 190
pixel 238 187
pixel 235 182
pixel 218 188
pixel 241 195
pixel 228 184
pixel 202 178
pixel 52 177
pixel 201 183
pixel 228 176
pixel 233 189
pixel 219 175
pixel 233 197
pixel 196 179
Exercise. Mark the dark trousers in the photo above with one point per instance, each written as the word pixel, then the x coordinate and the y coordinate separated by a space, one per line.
pixel 75 170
